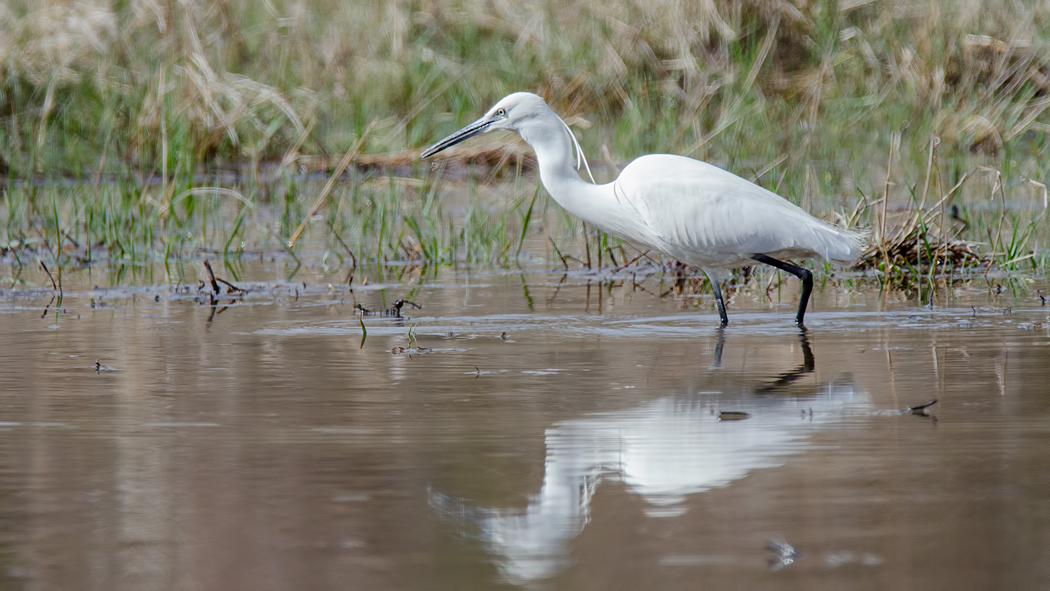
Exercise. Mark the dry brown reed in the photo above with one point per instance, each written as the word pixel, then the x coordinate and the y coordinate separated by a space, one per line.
pixel 243 79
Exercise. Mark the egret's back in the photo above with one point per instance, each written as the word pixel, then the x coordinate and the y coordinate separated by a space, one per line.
pixel 714 219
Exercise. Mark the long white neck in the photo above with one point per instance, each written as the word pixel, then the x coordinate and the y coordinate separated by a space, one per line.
pixel 550 140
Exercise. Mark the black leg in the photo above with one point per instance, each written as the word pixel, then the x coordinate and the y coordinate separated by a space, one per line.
pixel 804 274
pixel 719 301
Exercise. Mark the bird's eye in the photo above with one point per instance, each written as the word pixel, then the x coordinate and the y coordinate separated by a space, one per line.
pixel 501 113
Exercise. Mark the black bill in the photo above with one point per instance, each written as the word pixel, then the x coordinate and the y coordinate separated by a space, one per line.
pixel 479 126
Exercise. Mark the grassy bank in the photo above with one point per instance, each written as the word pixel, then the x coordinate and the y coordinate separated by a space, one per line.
pixel 925 120
pixel 111 85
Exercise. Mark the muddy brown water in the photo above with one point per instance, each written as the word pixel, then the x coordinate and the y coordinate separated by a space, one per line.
pixel 530 436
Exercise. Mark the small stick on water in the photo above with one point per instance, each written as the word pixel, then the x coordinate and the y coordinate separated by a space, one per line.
pixel 395 310
pixel 331 181
pixel 53 284
pixel 211 277
pixel 353 258
pixel 923 407
pixel 558 252
pixel 230 288
pixel 569 257
pixel 586 244
pixel 47 307
pixel 631 262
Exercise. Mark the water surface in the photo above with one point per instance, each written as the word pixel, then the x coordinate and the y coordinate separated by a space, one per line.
pixel 530 434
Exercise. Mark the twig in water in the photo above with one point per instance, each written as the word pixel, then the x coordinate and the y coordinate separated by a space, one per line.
pixel 353 259
pixel 230 288
pixel 558 252
pixel 922 407
pixel 394 310
pixel 586 245
pixel 211 277
pixel 47 307
pixel 400 303
pixel 53 284
pixel 630 262
pixel 572 258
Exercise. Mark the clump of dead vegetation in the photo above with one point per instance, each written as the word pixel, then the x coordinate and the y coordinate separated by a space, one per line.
pixel 926 232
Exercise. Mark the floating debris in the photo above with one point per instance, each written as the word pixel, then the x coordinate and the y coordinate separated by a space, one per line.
pixel 991 310
pixel 99 367
pixel 784 554
pixel 410 350
pixel 205 297
pixel 1033 326
pixel 915 410
pixel 921 409
pixel 393 311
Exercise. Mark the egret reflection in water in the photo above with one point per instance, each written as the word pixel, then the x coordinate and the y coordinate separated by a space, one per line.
pixel 663 450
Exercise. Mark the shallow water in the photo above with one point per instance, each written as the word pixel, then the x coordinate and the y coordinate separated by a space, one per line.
pixel 531 435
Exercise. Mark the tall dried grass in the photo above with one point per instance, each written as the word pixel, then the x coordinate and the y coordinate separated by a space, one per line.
pixel 725 79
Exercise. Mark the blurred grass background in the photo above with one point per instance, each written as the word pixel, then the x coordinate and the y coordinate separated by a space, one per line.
pixel 819 100
pixel 108 85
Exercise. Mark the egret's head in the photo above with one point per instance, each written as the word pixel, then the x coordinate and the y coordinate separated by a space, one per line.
pixel 512 112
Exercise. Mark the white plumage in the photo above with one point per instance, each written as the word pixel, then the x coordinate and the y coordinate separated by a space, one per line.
pixel 688 209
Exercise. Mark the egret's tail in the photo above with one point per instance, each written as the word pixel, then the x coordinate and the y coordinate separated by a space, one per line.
pixel 858 241
pixel 833 243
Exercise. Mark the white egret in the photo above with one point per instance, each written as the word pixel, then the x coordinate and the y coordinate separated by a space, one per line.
pixel 693 211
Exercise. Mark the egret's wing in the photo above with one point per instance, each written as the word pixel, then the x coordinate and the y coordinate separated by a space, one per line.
pixel 701 213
